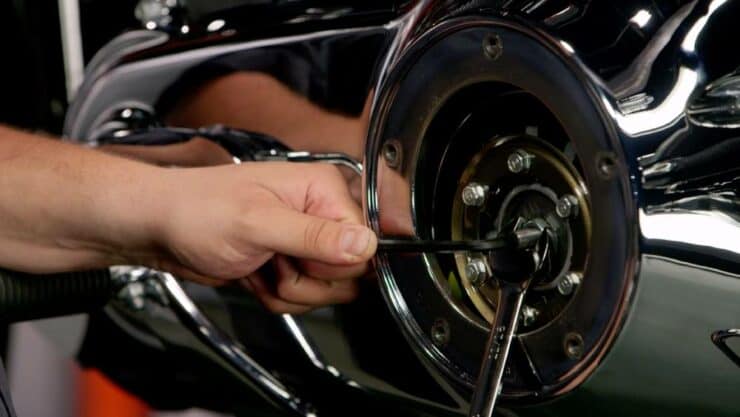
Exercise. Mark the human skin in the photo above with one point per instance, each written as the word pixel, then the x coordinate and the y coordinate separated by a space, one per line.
pixel 63 208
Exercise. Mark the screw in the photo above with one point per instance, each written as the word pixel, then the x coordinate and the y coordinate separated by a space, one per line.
pixel 528 315
pixel 519 161
pixel 569 282
pixel 474 194
pixel 477 271
pixel 392 153
pixel 440 332
pixel 567 206
pixel 573 346
pixel 493 46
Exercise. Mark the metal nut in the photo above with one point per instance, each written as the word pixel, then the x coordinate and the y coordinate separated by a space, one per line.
pixel 567 206
pixel 519 161
pixel 569 282
pixel 477 271
pixel 474 194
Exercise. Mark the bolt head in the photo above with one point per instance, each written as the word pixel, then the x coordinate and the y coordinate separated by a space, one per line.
pixel 519 161
pixel 474 194
pixel 477 271
pixel 568 283
pixel 567 206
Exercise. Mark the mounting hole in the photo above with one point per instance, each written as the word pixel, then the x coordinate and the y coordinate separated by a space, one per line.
pixel 606 165
pixel 392 153
pixel 573 346
pixel 440 332
pixel 493 47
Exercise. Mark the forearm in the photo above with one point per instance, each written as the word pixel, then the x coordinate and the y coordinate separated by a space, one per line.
pixel 259 102
pixel 64 207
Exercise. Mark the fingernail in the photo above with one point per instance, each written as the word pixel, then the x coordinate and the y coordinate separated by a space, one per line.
pixel 355 240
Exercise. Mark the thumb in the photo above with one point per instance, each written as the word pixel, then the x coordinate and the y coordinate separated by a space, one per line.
pixel 304 236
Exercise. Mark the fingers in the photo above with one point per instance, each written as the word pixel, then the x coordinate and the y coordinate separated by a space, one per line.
pixel 256 284
pixel 310 237
pixel 327 272
pixel 294 292
pixel 296 287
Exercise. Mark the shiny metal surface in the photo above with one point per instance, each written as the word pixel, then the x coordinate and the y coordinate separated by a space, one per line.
pixel 161 14
pixel 474 194
pixel 411 98
pixel 334 158
pixel 643 104
pixel 489 384
pixel 660 80
pixel 513 285
pixel 170 294
pixel 721 338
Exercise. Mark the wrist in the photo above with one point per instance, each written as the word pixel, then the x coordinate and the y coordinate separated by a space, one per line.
pixel 132 220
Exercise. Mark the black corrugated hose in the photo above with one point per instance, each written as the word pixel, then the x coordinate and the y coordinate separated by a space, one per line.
pixel 29 297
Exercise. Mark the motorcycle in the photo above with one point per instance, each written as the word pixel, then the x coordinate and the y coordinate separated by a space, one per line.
pixel 607 129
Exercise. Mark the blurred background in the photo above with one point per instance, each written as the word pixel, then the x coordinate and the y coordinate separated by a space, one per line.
pixel 45 45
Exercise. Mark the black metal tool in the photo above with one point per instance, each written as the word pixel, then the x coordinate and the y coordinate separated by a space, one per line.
pixel 519 239
pixel 439 246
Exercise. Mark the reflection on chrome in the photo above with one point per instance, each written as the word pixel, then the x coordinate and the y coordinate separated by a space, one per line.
pixel 710 229
pixel 216 25
pixel 568 47
pixel 689 42
pixel 641 18
pixel 673 106
pixel 665 114
pixel 228 349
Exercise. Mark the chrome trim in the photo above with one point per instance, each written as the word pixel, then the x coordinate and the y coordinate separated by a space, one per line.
pixel 719 338
pixel 163 289
pixel 333 158
pixel 91 110
pixel 229 350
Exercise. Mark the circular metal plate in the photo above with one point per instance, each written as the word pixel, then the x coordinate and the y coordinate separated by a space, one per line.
pixel 442 84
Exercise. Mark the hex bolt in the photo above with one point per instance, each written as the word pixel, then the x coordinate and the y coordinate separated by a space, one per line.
pixel 519 161
pixel 567 206
pixel 474 194
pixel 528 315
pixel 477 271
pixel 440 332
pixel 569 282
pixel 573 346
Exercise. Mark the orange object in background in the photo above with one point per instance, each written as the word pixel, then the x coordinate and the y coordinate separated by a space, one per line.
pixel 98 396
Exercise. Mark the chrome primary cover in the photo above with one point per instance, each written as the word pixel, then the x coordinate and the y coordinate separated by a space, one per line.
pixel 462 99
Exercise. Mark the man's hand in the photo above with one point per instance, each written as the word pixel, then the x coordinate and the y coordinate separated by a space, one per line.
pixel 65 208
pixel 226 222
